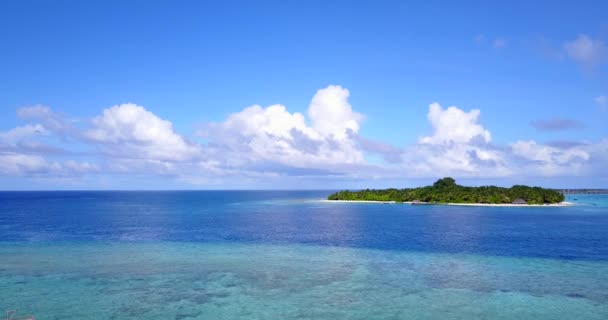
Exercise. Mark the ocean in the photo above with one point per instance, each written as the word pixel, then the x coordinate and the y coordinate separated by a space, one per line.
pixel 288 255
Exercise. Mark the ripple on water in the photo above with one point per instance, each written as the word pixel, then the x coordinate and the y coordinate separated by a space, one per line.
pixel 231 281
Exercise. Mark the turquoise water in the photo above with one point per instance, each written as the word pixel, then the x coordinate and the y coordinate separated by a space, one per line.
pixel 289 256
pixel 594 200
pixel 233 281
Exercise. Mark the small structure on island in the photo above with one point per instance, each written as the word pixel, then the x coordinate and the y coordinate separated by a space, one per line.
pixel 416 202
pixel 519 201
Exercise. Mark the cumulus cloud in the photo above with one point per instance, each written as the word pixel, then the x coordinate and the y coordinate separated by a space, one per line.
pixel 51 120
pixel 29 139
pixel 585 50
pixel 460 160
pixel 131 131
pixel 18 134
pixel 274 134
pixel 453 125
pixel 19 164
pixel 557 124
pixel 331 113
pixel 272 143
pixel 458 145
pixel 22 154
pixel 550 160
pixel 533 151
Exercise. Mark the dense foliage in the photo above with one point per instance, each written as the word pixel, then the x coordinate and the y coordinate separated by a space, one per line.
pixel 447 191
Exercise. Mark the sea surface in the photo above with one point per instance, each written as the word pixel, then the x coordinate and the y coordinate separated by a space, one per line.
pixel 288 255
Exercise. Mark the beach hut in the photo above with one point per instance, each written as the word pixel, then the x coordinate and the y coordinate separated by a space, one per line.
pixel 519 201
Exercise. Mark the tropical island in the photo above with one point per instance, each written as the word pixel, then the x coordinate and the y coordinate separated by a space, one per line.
pixel 446 191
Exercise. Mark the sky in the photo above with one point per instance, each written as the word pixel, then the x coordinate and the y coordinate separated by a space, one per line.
pixel 302 94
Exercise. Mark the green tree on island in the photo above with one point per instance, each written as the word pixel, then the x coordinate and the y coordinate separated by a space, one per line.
pixel 447 191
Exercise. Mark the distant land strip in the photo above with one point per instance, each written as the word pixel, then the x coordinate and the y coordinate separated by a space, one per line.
pixel 583 191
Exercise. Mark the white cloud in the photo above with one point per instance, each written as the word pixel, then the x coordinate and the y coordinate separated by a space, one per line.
pixel 332 115
pixel 274 121
pixel 458 146
pixel 13 163
pixel 51 120
pixel 550 161
pixel 16 135
pixel 130 131
pixel 146 167
pixel 601 102
pixel 531 150
pixel 585 50
pixel 272 143
pixel 453 125
pixel 19 164
pixel 274 134
pixel 458 159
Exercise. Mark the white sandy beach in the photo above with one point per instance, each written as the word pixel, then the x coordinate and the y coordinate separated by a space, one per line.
pixel 361 201
pixel 561 204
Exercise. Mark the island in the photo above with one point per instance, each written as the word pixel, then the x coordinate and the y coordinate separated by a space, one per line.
pixel 446 191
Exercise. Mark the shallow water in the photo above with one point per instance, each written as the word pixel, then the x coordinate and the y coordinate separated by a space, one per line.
pixel 285 255
pixel 593 200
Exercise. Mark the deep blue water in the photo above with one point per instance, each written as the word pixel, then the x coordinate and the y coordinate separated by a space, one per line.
pixel 289 255
pixel 280 217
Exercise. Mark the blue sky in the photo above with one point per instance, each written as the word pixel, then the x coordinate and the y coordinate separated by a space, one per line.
pixel 155 95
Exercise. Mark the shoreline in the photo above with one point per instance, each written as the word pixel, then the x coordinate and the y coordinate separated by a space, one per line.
pixel 561 204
